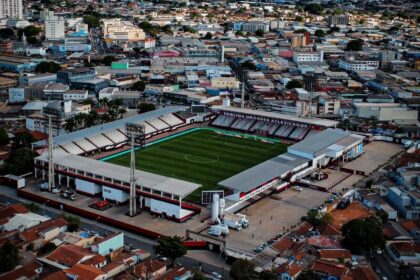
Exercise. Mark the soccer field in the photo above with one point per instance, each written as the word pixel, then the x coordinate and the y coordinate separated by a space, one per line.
pixel 202 156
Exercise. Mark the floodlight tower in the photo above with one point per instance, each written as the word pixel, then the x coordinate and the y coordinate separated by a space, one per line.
pixel 310 82
pixel 51 183
pixel 136 134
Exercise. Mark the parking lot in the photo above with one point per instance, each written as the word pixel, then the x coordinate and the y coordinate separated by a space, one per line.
pixel 269 216
pixel 334 177
pixel 375 154
pixel 144 220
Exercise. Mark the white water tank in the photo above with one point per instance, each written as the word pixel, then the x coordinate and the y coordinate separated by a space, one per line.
pixel 222 205
pixel 226 102
pixel 215 208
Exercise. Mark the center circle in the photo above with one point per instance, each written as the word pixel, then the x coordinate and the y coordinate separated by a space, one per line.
pixel 201 159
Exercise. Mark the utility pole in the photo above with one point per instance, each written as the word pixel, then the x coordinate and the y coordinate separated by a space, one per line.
pixel 51 183
pixel 243 90
pixel 133 204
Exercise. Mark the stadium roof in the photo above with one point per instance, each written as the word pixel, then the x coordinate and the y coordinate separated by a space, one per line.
pixel 145 179
pixel 329 139
pixel 79 134
pixel 263 173
pixel 273 115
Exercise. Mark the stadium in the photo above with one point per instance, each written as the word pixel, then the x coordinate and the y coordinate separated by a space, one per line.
pixel 242 152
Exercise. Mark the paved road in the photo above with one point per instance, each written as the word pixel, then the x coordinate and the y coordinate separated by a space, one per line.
pixel 9 196
pixel 382 263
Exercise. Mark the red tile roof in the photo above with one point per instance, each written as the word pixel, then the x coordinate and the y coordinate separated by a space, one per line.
pixel 282 244
pixel 335 254
pixel 84 272
pixel 28 271
pixel 69 255
pixel 173 273
pixel 406 248
pixel 364 273
pixel 33 233
pixel 59 275
pixel 11 210
pixel 292 269
pixel 148 266
pixel 329 268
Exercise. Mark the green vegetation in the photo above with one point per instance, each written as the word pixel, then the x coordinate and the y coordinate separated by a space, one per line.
pixel 208 36
pixel 363 236
pixel 355 45
pixel 73 222
pixel 92 21
pixel 293 84
pixel 109 59
pixel 203 157
pixel 20 162
pixel 4 138
pixel 7 33
pixel 249 64
pixel 259 33
pixel 315 218
pixel 31 207
pixel 9 257
pixel 49 247
pixel 146 107
pixel 314 8
pixel 242 270
pixel 319 33
pixel 47 67
pixel 170 247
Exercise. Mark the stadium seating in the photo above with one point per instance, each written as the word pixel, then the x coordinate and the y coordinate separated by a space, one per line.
pixel 284 131
pixel 158 124
pixel 223 121
pixel 171 119
pixel 242 124
pixel 72 148
pixel 273 129
pixel 85 145
pixel 116 136
pixel 299 133
pixel 266 127
pixel 100 140
pixel 257 126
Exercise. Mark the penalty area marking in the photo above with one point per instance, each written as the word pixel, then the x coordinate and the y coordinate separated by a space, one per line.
pixel 200 159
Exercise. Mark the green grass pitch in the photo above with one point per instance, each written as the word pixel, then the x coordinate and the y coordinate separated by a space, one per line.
pixel 202 156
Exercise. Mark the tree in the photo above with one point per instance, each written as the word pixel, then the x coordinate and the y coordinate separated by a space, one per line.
pixel 268 275
pixel 334 29
pixel 314 8
pixel 139 86
pixel 298 18
pixel 109 59
pixel 319 33
pixel 146 107
pixel 7 33
pixel 31 31
pixel 23 140
pixel 363 235
pixel 315 218
pixel 170 247
pixel 73 222
pixel 208 36
pixel 259 33
pixel 92 21
pixel 355 45
pixel 242 270
pixel 20 162
pixel 47 67
pixel 239 33
pixel 31 207
pixel 293 84
pixel 198 276
pixel 9 257
pixel 248 64
pixel 48 247
pixel 4 138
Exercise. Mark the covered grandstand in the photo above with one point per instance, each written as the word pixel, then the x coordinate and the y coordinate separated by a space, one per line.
pixel 301 159
pixel 112 135
pixel 268 123
pixel 160 194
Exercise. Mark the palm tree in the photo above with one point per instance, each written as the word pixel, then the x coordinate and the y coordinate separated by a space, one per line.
pixel 121 112
pixel 70 125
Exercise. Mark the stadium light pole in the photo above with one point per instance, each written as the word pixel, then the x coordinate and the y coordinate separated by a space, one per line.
pixel 51 183
pixel 133 204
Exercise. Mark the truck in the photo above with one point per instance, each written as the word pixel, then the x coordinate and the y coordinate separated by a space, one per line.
pixel 68 195
pixel 217 230
pixel 235 221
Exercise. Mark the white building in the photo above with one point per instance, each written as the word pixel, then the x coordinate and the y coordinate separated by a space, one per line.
pixel 117 30
pixel 76 95
pixel 54 28
pixel 358 65
pixel 11 9
pixel 385 111
pixel 308 56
